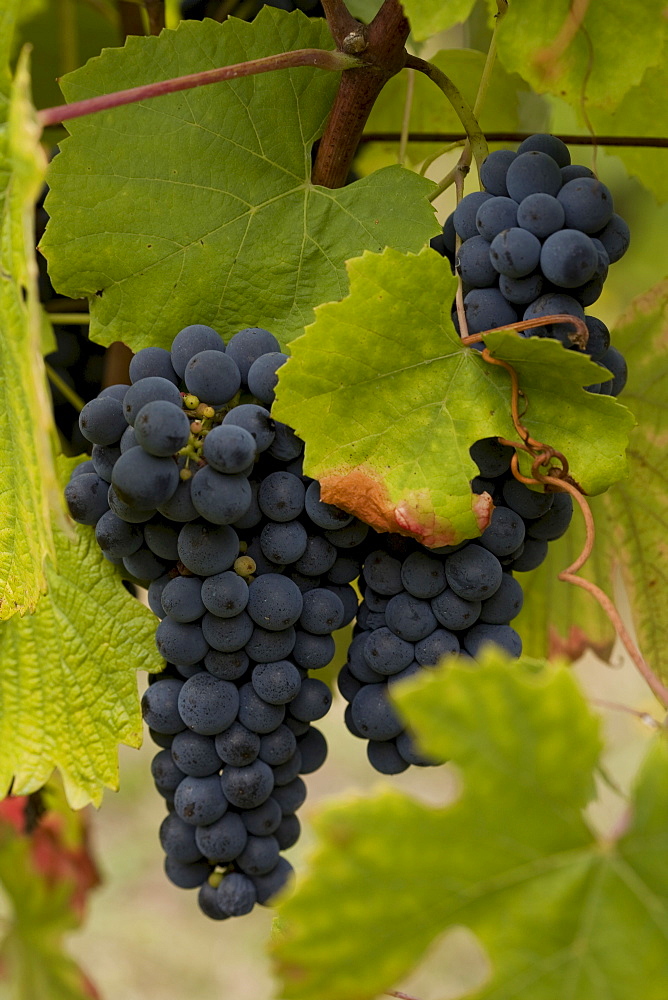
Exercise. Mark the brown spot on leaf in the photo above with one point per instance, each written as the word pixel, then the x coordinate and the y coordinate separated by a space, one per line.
pixel 361 493
pixel 576 643
pixel 483 507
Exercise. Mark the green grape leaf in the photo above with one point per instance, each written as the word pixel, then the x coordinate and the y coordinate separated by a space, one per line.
pixel 364 10
pixel 63 702
pixel 46 873
pixel 592 61
pixel 643 111
pixel 208 213
pixel 389 402
pixel 631 520
pixel 503 110
pixel 428 17
pixel 27 469
pixel 559 912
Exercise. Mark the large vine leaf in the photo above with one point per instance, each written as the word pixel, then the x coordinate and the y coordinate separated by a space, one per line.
pixel 643 111
pixel 197 206
pixel 504 108
pixel 588 56
pixel 560 912
pixel 27 470
pixel 46 872
pixel 631 520
pixel 63 702
pixel 389 402
pixel 428 17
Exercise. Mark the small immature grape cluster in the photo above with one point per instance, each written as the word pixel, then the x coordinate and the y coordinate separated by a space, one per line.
pixel 422 604
pixel 538 241
pixel 199 494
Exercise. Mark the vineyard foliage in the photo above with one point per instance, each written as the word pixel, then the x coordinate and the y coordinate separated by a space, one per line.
pixel 198 207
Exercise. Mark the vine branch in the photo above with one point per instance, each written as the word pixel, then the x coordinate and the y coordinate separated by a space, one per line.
pixel 642 141
pixel 340 21
pixel 381 47
pixel 321 58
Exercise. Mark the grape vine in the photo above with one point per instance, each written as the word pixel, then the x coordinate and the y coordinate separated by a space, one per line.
pixel 400 457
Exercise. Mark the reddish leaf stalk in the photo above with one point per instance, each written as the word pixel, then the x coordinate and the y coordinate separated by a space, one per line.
pixel 320 58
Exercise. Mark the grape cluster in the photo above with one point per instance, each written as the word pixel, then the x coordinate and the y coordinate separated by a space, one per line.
pixel 537 241
pixel 198 494
pixel 422 604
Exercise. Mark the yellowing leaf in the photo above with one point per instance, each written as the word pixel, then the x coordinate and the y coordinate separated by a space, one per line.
pixel 590 54
pixel 631 519
pixel 67 699
pixel 27 471
pixel 389 402
pixel 559 912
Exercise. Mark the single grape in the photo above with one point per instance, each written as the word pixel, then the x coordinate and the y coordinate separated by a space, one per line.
pixel 486 309
pixel 385 758
pixel 104 458
pixel 325 515
pixel 494 170
pixel 263 376
pixel 144 481
pixel 223 840
pixel 147 390
pixel 254 419
pixel 212 376
pixel 220 498
pixel 186 876
pixel 161 428
pixel 474 264
pixel 374 715
pixel 473 573
pixel 495 215
pixel 587 204
pixel 101 420
pixel 177 840
pixel 548 144
pixel 248 345
pixel 532 172
pixel 237 745
pixel 276 683
pixel 227 634
pixel 541 214
pixel 464 218
pixel 180 643
pixel 515 252
pixel 247 787
pixel 200 801
pixel 274 602
pixel 195 754
pixel 190 341
pixel 256 714
pixel 152 361
pixel 229 449
pixel 117 537
pixel 568 258
pixel 207 549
